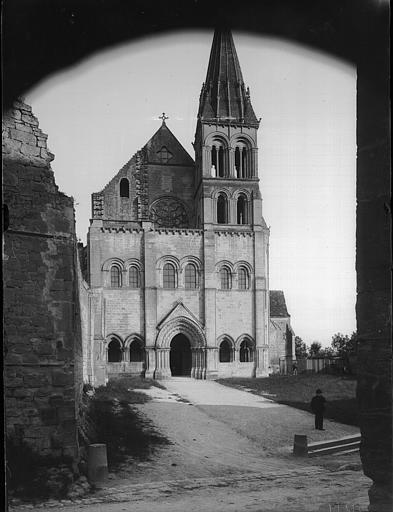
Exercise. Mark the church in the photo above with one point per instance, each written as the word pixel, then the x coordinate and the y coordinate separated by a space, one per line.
pixel 178 251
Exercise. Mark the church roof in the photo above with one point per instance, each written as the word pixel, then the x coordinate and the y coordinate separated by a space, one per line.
pixel 278 307
pixel 224 96
pixel 165 146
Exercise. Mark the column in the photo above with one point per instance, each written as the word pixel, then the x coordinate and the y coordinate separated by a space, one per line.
pixel 211 363
pixel 254 163
pixel 162 370
pixel 231 155
pixel 260 300
pixel 206 160
pixel 150 293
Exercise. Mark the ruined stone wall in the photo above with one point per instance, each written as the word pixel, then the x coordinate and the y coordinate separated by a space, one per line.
pixel 43 355
pixel 373 265
pixel 83 301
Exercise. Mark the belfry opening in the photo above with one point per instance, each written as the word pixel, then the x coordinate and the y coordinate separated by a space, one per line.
pixel 180 358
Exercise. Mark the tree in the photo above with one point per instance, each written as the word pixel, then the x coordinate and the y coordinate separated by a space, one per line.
pixel 315 349
pixel 300 348
pixel 344 345
pixel 328 352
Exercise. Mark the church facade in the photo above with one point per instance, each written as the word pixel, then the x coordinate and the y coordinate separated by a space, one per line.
pixel 178 250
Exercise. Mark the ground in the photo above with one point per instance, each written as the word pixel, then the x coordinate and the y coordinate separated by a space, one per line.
pixel 230 451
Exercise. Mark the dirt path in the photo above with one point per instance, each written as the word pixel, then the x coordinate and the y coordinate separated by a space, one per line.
pixel 230 452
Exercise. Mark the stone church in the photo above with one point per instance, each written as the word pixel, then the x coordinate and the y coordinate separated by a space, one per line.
pixel 178 250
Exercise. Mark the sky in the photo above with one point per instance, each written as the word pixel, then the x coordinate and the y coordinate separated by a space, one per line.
pixel 100 112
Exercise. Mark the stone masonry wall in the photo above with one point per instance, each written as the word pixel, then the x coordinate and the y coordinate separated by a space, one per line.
pixel 43 356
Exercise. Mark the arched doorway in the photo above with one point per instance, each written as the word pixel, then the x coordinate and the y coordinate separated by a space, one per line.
pixel 180 359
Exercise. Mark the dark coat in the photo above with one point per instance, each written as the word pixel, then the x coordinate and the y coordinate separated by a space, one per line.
pixel 318 404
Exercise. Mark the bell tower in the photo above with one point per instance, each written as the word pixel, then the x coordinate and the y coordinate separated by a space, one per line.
pixel 226 153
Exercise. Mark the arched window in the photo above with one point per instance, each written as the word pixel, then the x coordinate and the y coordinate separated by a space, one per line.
pixel 114 351
pixel 214 160
pixel 245 163
pixel 169 276
pixel 221 166
pixel 246 352
pixel 225 278
pixel 222 209
pixel 124 188
pixel 134 279
pixel 242 210
pixel 136 352
pixel 225 352
pixel 243 279
pixel 242 160
pixel 238 163
pixel 115 276
pixel 219 158
pixel 190 277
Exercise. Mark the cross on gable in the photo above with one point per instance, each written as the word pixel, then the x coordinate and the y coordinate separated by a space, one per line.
pixel 163 117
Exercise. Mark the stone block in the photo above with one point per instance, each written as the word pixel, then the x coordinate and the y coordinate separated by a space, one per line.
pixel 23 393
pixel 49 416
pixel 66 412
pixel 29 119
pixel 23 128
pixel 24 107
pixel 43 347
pixel 36 380
pixel 30 358
pixel 15 114
pixel 97 463
pixel 37 432
pixel 12 145
pixel 14 383
pixel 60 378
pixel 24 137
pixel 29 150
pixel 56 400
pixel 47 155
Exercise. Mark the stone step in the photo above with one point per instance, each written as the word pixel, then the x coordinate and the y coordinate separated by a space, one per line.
pixel 334 442
pixel 345 444
pixel 341 448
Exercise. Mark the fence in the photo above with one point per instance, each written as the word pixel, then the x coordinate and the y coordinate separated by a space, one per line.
pixel 321 365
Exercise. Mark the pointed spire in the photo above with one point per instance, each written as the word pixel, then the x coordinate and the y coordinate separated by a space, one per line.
pixel 224 96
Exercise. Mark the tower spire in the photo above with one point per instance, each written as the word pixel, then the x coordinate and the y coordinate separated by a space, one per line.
pixel 224 97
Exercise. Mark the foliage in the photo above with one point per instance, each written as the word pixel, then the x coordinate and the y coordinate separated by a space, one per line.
pixel 315 349
pixel 301 349
pixel 119 424
pixel 344 345
pixel 298 390
pixel 328 352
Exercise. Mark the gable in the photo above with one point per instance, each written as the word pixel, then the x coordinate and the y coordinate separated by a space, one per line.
pixel 164 148
pixel 178 311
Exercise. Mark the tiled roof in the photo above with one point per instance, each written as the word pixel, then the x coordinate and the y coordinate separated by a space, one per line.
pixel 278 307
pixel 224 96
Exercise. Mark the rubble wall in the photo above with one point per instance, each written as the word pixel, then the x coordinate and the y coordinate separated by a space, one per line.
pixel 43 354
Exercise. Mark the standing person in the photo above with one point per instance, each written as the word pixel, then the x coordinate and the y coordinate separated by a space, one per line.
pixel 318 408
pixel 294 368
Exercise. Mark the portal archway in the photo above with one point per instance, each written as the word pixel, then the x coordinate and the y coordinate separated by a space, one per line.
pixel 180 357
pixel 181 335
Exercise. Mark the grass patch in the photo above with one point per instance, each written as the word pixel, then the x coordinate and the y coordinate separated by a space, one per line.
pixel 297 391
pixel 125 431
